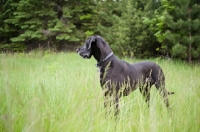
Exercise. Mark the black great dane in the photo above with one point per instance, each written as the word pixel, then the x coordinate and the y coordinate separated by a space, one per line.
pixel 119 78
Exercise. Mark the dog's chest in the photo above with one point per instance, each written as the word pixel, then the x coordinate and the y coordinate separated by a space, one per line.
pixel 101 73
pixel 104 75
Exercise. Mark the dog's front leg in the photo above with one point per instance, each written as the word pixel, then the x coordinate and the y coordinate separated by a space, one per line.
pixel 107 102
pixel 116 105
pixel 111 102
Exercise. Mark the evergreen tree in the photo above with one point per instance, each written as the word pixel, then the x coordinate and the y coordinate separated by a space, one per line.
pixel 30 23
pixel 184 27
pixel 107 14
pixel 122 25
pixel 122 29
pixel 142 40
pixel 83 15
pixel 132 27
pixel 38 23
pixel 8 29
pixel 158 26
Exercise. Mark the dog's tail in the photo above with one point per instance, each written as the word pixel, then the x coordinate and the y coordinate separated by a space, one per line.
pixel 170 93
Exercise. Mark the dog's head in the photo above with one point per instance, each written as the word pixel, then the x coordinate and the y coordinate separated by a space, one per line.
pixel 88 49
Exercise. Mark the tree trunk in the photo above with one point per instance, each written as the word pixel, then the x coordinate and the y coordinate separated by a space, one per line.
pixel 189 53
pixel 190 44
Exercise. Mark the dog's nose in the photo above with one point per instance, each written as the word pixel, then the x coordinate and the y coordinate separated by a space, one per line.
pixel 77 50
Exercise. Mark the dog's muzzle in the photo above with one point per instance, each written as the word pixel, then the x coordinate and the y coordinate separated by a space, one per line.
pixel 82 54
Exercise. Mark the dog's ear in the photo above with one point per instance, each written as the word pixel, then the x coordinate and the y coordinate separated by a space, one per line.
pixel 100 42
pixel 90 41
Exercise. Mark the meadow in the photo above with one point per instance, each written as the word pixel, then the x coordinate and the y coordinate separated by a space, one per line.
pixel 60 92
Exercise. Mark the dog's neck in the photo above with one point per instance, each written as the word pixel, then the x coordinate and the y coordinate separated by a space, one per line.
pixel 103 55
pixel 105 59
pixel 105 50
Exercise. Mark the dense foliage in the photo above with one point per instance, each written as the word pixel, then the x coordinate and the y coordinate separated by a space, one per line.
pixel 137 28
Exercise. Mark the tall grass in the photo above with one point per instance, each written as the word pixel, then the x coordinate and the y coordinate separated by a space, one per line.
pixel 61 92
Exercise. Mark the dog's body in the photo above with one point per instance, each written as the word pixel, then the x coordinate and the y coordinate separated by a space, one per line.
pixel 119 78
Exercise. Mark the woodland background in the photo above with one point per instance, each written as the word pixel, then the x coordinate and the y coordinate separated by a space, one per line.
pixel 134 28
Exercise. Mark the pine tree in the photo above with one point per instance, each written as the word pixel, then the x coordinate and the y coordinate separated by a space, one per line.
pixel 8 29
pixel 82 16
pixel 142 40
pixel 122 25
pixel 47 23
pixel 184 28
pixel 158 26
pixel 107 14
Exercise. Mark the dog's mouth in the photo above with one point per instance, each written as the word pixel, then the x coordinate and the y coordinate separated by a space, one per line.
pixel 85 56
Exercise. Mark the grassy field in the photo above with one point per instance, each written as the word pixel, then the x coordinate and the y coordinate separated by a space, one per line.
pixel 61 93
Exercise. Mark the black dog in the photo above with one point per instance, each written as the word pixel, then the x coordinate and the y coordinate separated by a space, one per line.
pixel 119 78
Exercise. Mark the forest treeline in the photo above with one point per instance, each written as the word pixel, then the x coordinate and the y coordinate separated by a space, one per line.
pixel 137 28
